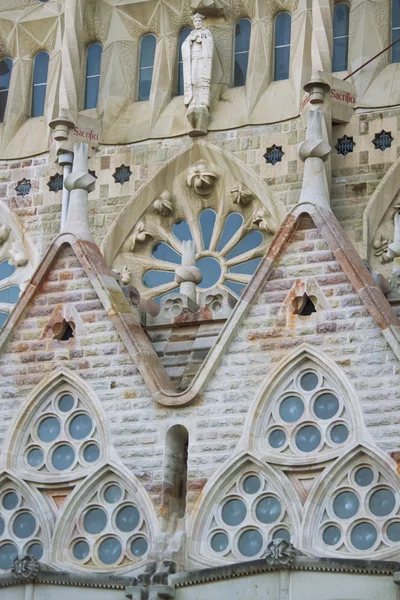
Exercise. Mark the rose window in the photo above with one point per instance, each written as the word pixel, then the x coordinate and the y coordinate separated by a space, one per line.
pixel 251 514
pixel 110 530
pixel 20 531
pixel 62 438
pixel 227 257
pixel 363 513
pixel 308 417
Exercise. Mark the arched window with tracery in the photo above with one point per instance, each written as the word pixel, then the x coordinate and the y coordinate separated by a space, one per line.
pixel 283 25
pixel 39 83
pixel 146 65
pixel 6 66
pixel 180 82
pixel 396 30
pixel 341 16
pixel 242 47
pixel 93 68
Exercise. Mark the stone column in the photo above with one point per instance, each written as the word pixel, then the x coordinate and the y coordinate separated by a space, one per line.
pixel 314 151
pixel 79 183
pixel 188 275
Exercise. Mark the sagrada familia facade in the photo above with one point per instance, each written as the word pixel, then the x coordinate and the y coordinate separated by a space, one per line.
pixel 199 299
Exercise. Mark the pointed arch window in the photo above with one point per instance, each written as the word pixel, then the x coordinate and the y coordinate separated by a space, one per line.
pixel 39 85
pixel 396 30
pixel 242 46
pixel 340 37
pixel 182 37
pixel 93 67
pixel 6 66
pixel 146 65
pixel 283 25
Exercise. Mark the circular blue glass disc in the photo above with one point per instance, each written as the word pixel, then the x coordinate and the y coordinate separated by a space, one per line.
pixel 364 476
pixel 250 542
pixel 8 552
pixel 95 520
pixel 24 525
pixel 110 551
pixel 112 494
pixel 49 429
pixel 139 546
pixel 80 550
pixel 281 534
pixel 277 438
pixel 219 542
pixel 80 427
pixel 251 484
pixel 35 550
pixel 35 457
pixel 91 453
pixel 127 518
pixel 326 406
pixel 331 535
pixel 63 457
pixel 308 438
pixel 363 536
pixel 233 512
pixel 346 505
pixel 382 503
pixel 10 501
pixel 66 403
pixel 291 409
pixel 268 509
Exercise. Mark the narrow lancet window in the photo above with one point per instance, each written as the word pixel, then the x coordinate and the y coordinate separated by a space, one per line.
pixel 340 37
pixel 242 46
pixel 40 72
pixel 6 66
pixel 93 67
pixel 396 30
pixel 147 53
pixel 283 24
pixel 182 37
pixel 175 470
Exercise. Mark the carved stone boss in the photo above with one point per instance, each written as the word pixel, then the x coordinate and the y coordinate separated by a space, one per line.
pixel 197 56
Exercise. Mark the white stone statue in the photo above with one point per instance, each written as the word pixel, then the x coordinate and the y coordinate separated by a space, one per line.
pixel 197 56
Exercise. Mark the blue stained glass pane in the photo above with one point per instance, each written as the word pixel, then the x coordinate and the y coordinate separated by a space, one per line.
pixel 80 427
pixel 233 223
pixel 10 501
pixel 181 230
pixel 38 100
pixel 382 503
pixel 346 505
pixel 393 532
pixel 80 550
pixel 110 550
pixel 291 409
pixel 340 49
pixel 10 294
pixel 112 494
pixel 236 288
pixel 308 438
pixel 66 403
pixel 145 78
pixel 234 512
pixel 268 510
pixel 91 453
pixel 35 550
pixel 6 269
pixel 282 61
pixel 40 68
pixel 326 406
pixel 127 518
pixel 341 20
pixel 92 92
pixel 8 552
pixel 250 542
pixel 49 429
pixel 332 535
pixel 147 51
pixel 182 37
pixel 5 73
pixel 281 534
pixel 283 23
pixel 246 268
pixel 3 318
pixel 363 536
pixel 240 73
pixel 251 484
pixel 309 381
pixel 364 476
pixel 164 252
pixel 24 525
pixel 95 520
pixel 396 48
pixel 207 222
pixel 250 241
pixel 242 35
pixel 154 278
pixel 3 104
pixel 93 60
pixel 339 434
pixel 211 271
pixel 35 457
pixel 277 438
pixel 139 546
pixel 63 457
pixel 219 542
pixel 396 15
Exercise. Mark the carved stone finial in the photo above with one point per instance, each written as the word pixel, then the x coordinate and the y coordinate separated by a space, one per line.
pixel 188 275
pixel 125 274
pixel 25 567
pixel 201 179
pixel 241 194
pixel 163 204
pixel 79 183
pixel 314 146
pixel 316 88
pixel 280 552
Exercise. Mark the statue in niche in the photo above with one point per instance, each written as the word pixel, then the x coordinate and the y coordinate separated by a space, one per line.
pixel 197 56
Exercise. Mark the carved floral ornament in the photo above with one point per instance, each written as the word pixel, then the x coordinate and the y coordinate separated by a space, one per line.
pixel 220 214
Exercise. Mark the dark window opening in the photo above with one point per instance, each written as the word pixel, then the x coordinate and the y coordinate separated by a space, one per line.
pixel 63 331
pixel 305 306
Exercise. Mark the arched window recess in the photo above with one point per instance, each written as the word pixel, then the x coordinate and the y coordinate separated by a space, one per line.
pixel 146 65
pixel 93 68
pixel 283 25
pixel 341 15
pixel 39 83
pixel 6 65
pixel 396 30
pixel 241 52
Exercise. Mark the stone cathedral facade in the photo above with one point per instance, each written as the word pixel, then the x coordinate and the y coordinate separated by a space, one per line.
pixel 199 299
